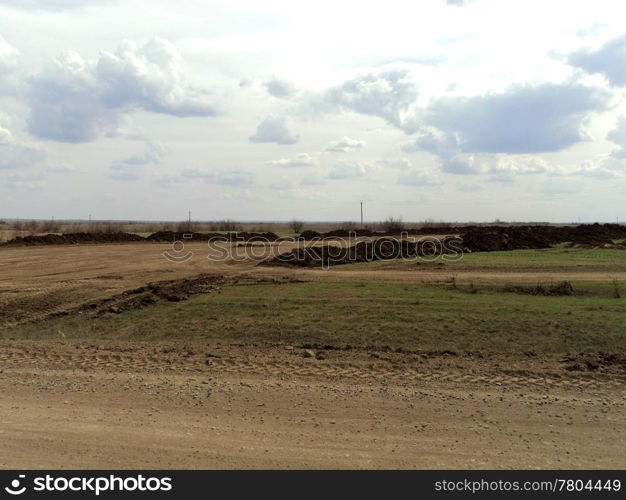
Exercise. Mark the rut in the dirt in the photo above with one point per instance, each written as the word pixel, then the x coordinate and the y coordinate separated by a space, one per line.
pixel 170 290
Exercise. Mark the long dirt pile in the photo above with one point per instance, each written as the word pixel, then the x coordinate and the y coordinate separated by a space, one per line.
pixel 471 239
pixel 171 291
pixel 585 233
pixel 119 237
pixel 367 251
pixel 73 239
pixel 169 236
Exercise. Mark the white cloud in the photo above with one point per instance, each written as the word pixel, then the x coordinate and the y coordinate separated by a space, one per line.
pixel 345 145
pixel 603 170
pixel 389 93
pixel 300 160
pixel 75 100
pixel 618 136
pixel 150 77
pixel 528 119
pixel 343 170
pixel 497 133
pixel 274 129
pixel 279 88
pixel 5 135
pixel 609 60
pixel 8 57
pixel 130 167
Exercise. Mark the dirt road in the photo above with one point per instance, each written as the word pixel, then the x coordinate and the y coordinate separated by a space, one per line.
pixel 150 405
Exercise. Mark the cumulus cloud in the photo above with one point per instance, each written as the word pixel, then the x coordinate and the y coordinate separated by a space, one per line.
pixel 301 160
pixel 609 60
pixel 74 100
pixel 274 129
pixel 151 78
pixel 279 88
pixel 460 165
pixel 618 136
pixel 8 57
pixel 345 145
pixel 506 168
pixel 5 135
pixel 603 169
pixel 129 167
pixel 498 133
pixel 343 170
pixel 389 94
pixel 523 120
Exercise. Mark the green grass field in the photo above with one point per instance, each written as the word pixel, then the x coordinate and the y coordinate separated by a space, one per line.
pixel 556 259
pixel 421 317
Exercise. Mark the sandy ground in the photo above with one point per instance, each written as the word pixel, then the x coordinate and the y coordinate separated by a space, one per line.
pixel 127 405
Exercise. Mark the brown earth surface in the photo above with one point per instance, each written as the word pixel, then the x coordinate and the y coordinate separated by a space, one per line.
pixel 158 405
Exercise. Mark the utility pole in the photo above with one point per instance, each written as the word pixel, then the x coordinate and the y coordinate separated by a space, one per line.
pixel 361 214
pixel 189 222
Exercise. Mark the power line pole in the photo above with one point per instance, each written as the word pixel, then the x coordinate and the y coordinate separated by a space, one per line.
pixel 189 223
pixel 361 215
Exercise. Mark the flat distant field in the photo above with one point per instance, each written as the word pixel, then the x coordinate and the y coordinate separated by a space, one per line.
pixel 401 363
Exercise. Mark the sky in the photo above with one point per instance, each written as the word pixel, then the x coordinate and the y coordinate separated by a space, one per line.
pixel 457 110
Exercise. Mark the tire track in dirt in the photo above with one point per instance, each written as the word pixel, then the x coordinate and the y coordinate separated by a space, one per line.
pixel 177 363
pixel 38 303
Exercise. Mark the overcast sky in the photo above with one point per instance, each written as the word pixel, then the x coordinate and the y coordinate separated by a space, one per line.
pixel 446 110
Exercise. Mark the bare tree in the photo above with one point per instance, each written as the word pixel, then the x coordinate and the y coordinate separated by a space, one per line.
pixel 296 226
pixel 393 225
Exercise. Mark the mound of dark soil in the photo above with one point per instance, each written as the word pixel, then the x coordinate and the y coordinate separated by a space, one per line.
pixel 245 236
pixel 170 236
pixel 171 290
pixel 490 238
pixel 510 238
pixel 73 239
pixel 309 235
pixel 366 251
